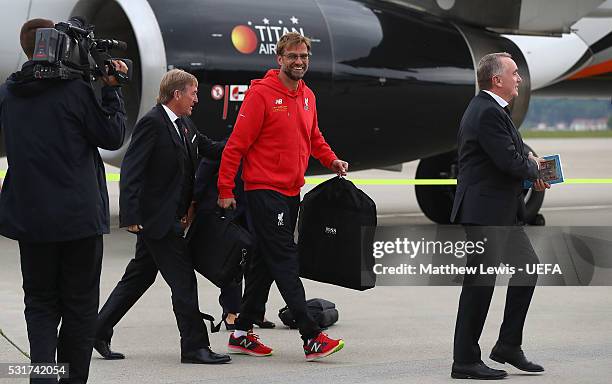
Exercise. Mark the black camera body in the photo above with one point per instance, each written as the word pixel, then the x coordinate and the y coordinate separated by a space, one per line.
pixel 70 51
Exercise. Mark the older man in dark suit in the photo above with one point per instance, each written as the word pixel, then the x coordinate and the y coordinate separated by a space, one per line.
pixel 492 167
pixel 157 177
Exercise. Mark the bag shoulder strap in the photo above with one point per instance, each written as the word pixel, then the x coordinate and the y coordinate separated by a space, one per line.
pixel 213 328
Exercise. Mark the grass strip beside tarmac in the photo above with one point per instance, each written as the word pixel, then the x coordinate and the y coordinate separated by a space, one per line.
pixel 565 134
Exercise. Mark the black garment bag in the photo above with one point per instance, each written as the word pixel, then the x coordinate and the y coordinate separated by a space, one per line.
pixel 219 246
pixel 218 242
pixel 337 223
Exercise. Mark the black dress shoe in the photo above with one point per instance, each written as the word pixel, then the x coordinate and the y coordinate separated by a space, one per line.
pixel 515 357
pixel 476 370
pixel 204 356
pixel 264 323
pixel 103 348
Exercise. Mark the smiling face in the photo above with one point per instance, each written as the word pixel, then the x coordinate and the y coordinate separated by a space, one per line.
pixel 506 84
pixel 185 100
pixel 294 61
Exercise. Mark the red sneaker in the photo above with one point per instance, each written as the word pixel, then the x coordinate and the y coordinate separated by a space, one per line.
pixel 248 345
pixel 322 346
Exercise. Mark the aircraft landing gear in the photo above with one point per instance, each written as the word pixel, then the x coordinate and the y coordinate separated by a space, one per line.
pixel 538 220
pixel 436 201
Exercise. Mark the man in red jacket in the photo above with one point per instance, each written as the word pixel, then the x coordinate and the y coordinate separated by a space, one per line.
pixel 275 133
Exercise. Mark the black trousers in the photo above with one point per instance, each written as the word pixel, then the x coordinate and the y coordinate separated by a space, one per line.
pixel 510 246
pixel 61 282
pixel 275 260
pixel 230 298
pixel 169 256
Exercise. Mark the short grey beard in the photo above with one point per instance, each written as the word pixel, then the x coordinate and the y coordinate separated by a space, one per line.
pixel 290 75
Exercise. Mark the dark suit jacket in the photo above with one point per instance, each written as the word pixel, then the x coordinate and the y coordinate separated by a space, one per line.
pixel 152 172
pixel 492 166
pixel 55 187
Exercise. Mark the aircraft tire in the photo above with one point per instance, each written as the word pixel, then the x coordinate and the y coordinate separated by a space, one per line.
pixel 436 201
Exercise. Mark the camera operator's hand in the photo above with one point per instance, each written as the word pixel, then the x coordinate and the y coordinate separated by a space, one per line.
pixel 120 66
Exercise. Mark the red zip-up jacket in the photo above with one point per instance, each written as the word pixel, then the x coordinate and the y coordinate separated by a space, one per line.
pixel 275 133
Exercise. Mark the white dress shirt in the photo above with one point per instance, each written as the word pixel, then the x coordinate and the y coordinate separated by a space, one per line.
pixel 503 103
pixel 173 118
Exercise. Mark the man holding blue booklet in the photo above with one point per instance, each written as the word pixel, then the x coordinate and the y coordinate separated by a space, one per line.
pixel 489 203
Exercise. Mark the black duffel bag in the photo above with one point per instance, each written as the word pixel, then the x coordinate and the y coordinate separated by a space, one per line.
pixel 337 224
pixel 322 311
pixel 219 246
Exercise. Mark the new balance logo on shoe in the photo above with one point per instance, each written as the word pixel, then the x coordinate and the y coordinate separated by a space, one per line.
pixel 245 343
pixel 315 347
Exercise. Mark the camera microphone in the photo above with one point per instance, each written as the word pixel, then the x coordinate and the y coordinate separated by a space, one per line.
pixel 111 44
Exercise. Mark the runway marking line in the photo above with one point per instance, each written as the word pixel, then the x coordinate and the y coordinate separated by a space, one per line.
pixel 112 177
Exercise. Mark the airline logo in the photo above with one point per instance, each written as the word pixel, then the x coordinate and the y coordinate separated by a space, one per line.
pixel 237 92
pixel 263 35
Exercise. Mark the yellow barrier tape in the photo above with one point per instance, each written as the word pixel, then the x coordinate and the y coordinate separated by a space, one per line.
pixel 315 181
pixel 588 181
pixel 113 177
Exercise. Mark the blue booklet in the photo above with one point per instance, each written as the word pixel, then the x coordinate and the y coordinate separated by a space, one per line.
pixel 551 171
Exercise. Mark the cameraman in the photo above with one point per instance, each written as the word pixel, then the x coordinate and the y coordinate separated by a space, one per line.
pixel 55 203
